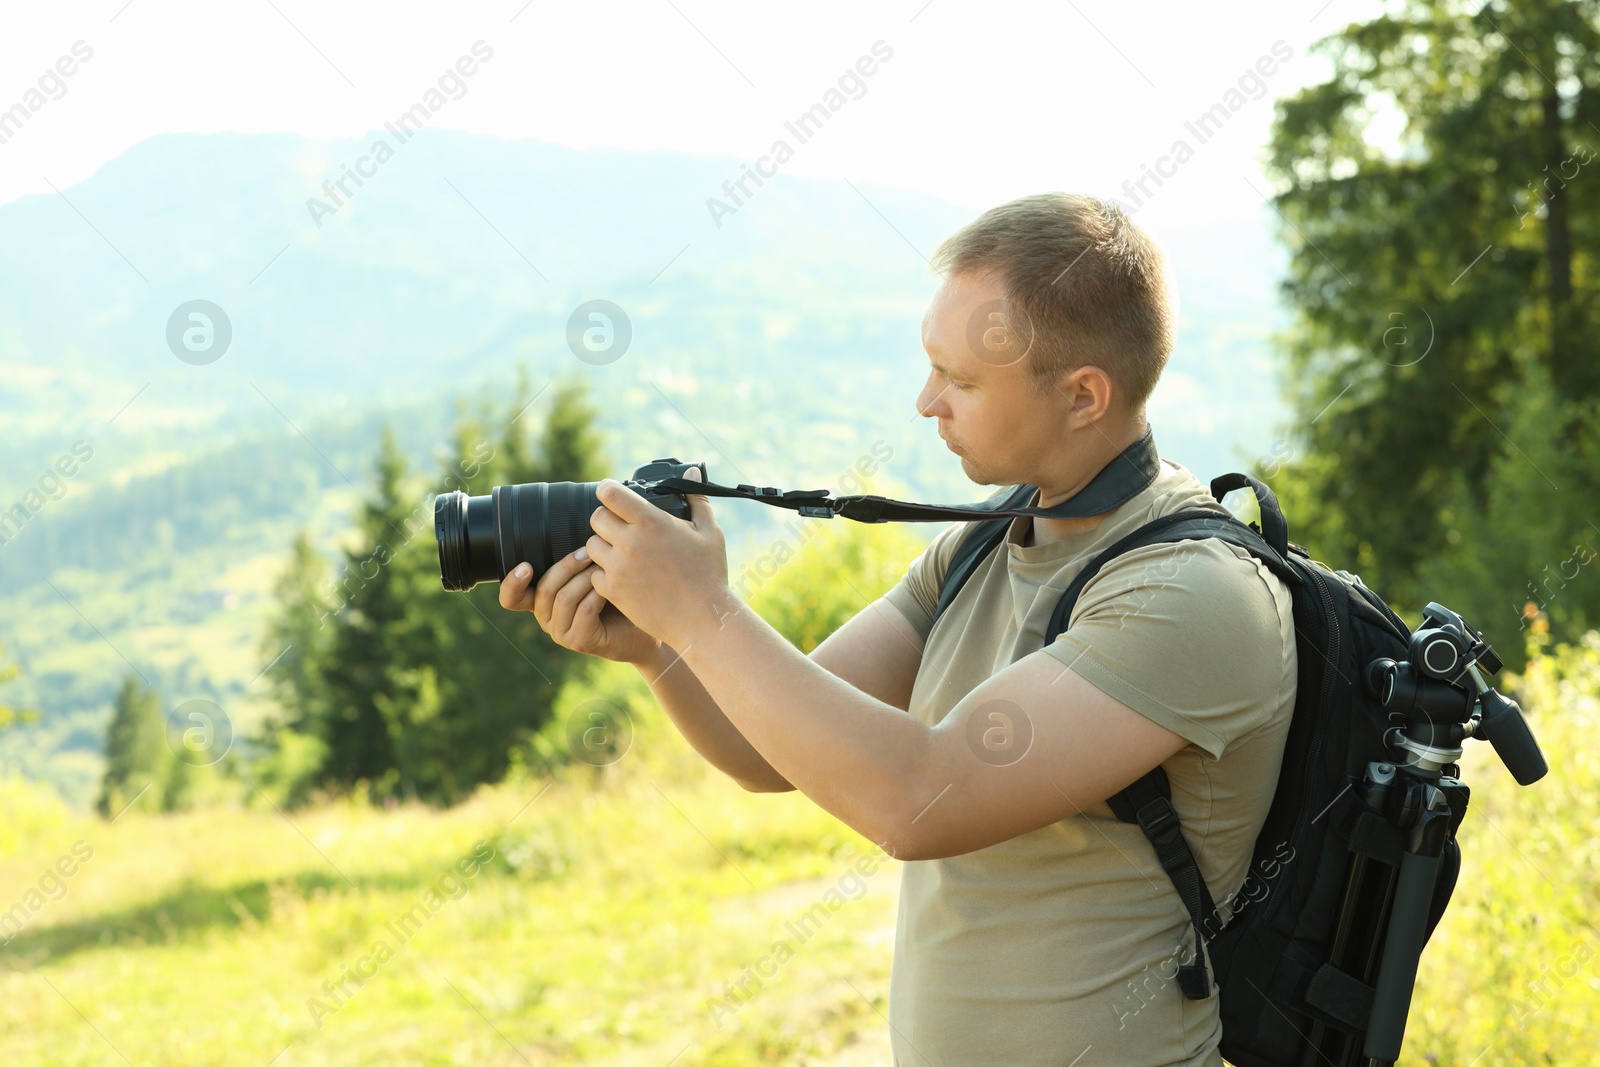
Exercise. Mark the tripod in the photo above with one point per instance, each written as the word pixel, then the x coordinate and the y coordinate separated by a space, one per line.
pixel 1394 893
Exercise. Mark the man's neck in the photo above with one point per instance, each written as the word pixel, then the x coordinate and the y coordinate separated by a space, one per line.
pixel 1108 446
pixel 1055 529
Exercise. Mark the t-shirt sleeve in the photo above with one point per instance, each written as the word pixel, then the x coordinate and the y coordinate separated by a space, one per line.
pixel 1197 636
pixel 917 594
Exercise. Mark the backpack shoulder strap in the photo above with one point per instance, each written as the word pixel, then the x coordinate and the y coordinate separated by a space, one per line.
pixel 1148 801
pixel 977 543
pixel 1195 524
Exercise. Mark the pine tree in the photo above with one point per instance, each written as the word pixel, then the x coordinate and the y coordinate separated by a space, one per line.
pixel 515 461
pixel 420 692
pixel 570 448
pixel 177 785
pixel 492 676
pixel 1530 550
pixel 136 750
pixel 1429 282
pixel 294 651
pixel 368 641
pixel 295 643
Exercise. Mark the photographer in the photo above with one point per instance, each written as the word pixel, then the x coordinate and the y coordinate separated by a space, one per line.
pixel 1034 926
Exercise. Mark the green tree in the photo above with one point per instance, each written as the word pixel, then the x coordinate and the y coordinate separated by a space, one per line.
pixel 385 677
pixel 491 677
pixel 514 459
pixel 136 749
pixel 295 649
pixel 1436 282
pixel 369 640
pixel 1529 551
pixel 178 785
pixel 570 449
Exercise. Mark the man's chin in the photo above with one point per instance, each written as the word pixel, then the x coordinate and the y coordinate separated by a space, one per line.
pixel 976 474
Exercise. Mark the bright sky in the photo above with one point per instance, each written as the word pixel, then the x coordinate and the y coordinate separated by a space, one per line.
pixel 976 103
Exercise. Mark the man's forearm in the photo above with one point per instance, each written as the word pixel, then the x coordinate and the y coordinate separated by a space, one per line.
pixel 859 758
pixel 703 724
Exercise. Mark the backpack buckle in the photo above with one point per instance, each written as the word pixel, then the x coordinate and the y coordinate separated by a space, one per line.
pixel 1159 820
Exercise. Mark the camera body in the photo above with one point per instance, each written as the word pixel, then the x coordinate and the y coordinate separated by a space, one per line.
pixel 668 500
pixel 482 538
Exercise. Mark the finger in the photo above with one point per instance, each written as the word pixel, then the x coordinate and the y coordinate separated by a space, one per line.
pixel 551 582
pixel 623 502
pixel 606 523
pixel 587 617
pixel 699 504
pixel 566 603
pixel 514 588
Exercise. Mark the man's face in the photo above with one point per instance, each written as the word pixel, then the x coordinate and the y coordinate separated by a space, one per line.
pixel 980 385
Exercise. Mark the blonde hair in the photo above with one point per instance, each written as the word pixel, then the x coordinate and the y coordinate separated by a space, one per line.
pixel 1091 285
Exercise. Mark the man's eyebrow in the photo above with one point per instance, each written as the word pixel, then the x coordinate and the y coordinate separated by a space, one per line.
pixel 947 372
pixel 936 365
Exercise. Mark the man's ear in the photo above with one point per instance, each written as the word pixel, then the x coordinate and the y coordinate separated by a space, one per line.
pixel 1090 394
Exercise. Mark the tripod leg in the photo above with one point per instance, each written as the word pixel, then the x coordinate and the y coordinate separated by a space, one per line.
pixel 1408 930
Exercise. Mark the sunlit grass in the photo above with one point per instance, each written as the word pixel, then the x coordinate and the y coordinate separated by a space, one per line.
pixel 1512 974
pixel 614 911
pixel 621 907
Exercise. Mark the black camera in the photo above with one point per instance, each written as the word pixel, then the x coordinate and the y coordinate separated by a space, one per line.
pixel 482 538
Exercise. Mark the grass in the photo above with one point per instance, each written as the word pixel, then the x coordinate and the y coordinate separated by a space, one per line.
pixel 614 911
pixel 1512 974
pixel 635 914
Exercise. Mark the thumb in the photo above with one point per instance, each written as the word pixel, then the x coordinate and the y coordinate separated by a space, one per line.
pixel 699 506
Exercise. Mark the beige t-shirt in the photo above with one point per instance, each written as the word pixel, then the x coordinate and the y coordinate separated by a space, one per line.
pixel 1059 946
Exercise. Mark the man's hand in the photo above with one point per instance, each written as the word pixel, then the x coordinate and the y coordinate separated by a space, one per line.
pixel 574 614
pixel 667 575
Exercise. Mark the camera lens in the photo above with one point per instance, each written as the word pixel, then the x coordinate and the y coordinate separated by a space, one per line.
pixel 481 538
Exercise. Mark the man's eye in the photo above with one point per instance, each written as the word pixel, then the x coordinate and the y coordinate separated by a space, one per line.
pixel 959 385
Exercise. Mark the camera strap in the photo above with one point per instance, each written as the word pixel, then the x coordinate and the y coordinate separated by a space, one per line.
pixel 1119 481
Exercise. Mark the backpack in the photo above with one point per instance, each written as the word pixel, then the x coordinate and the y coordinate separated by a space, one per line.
pixel 1282 999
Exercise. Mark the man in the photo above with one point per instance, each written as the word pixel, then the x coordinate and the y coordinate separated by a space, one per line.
pixel 1034 928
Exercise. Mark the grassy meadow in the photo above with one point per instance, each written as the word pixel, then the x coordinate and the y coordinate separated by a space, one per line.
pixel 622 915
pixel 647 913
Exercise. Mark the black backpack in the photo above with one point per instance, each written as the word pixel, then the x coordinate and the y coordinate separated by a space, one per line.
pixel 1279 993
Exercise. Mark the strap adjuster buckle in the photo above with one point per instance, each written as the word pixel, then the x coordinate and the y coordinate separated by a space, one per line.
pixel 1159 820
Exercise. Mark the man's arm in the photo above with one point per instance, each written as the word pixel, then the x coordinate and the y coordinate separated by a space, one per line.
pixel 1175 644
pixel 703 724
pixel 1029 746
pixel 922 792
pixel 877 651
pixel 879 770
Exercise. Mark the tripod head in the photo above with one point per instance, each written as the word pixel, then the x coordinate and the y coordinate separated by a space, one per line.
pixel 1440 698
